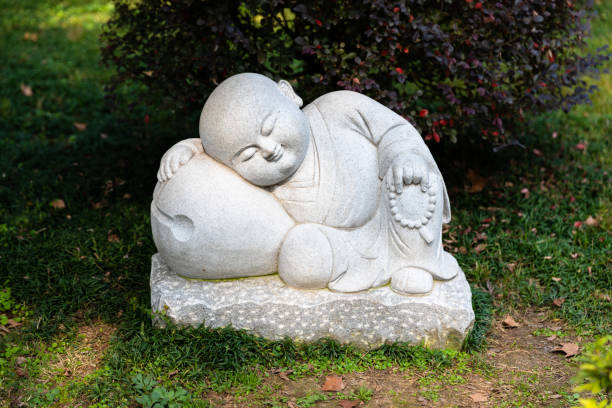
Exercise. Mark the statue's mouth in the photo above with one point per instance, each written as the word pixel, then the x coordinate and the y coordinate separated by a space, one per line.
pixel 278 153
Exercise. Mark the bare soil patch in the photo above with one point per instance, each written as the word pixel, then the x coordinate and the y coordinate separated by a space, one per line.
pixel 518 368
pixel 83 356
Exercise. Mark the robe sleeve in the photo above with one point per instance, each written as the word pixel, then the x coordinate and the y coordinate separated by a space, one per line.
pixel 392 135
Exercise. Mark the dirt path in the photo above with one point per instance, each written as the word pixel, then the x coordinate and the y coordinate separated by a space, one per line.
pixel 518 369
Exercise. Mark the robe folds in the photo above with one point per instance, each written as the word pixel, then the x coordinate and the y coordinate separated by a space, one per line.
pixel 340 186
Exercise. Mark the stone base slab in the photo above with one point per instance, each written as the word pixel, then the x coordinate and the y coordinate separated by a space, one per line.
pixel 267 307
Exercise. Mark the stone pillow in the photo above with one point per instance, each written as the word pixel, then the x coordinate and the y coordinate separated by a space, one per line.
pixel 209 223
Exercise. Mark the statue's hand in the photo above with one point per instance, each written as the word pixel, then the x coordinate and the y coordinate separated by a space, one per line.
pixel 408 169
pixel 173 159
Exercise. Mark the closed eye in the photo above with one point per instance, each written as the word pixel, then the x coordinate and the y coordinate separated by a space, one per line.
pixel 248 153
pixel 268 125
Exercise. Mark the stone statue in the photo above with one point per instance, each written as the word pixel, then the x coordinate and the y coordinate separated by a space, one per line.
pixel 342 194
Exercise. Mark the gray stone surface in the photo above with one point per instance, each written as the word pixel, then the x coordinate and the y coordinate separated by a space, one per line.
pixel 267 307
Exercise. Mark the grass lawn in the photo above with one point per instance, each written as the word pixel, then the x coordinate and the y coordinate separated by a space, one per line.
pixel 76 179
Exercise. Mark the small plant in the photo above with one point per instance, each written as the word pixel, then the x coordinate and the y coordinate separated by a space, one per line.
pixel 364 394
pixel 156 396
pixel 596 372
pixel 8 307
pixel 548 332
pixel 5 304
pixel 161 397
pixel 45 397
pixel 432 395
pixel 311 399
pixel 143 383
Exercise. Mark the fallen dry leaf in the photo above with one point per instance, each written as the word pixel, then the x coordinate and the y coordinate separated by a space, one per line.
pixel 20 372
pixel 511 266
pixel 480 236
pixel 552 337
pixel 570 349
pixel 591 222
pixel 12 323
pixel 58 204
pixel 477 182
pixel 113 238
pixel 148 73
pixel 292 404
pixel 548 257
pixel 479 248
pixel 283 375
pixel 348 404
pixel 478 397
pixel 26 90
pixel 333 383
pixel 558 302
pixel 30 36
pixel 510 322
pixel 80 126
pixel 554 278
pixel 574 255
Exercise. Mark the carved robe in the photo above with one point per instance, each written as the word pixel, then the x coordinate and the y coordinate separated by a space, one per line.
pixel 340 185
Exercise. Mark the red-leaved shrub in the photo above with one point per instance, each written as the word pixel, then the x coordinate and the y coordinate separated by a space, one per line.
pixel 457 69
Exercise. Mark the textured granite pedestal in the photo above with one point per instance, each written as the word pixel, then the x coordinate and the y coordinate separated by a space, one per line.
pixel 269 308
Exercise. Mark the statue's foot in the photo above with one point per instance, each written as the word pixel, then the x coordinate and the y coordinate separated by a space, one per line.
pixel 305 258
pixel 411 281
pixel 448 267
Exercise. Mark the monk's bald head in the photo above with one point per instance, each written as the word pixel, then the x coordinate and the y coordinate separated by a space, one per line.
pixel 250 112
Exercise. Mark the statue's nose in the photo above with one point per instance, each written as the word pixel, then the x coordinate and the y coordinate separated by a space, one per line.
pixel 267 147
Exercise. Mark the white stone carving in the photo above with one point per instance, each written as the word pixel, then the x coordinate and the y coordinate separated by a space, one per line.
pixel 342 194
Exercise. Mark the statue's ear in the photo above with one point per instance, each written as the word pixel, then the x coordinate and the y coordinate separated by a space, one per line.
pixel 287 90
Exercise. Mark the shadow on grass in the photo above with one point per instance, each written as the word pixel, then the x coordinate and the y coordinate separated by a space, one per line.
pixel 65 142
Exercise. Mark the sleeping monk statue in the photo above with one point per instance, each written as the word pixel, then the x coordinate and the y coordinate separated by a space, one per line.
pixel 342 194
